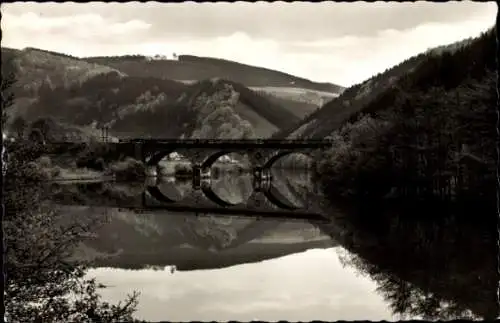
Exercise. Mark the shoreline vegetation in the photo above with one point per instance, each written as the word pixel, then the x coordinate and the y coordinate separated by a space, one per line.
pixel 42 282
pixel 93 161
pixel 430 138
pixel 40 273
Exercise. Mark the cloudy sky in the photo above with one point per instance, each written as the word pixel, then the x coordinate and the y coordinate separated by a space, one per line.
pixel 343 43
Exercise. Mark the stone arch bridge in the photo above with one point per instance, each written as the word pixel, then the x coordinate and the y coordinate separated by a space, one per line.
pixel 262 154
pixel 203 153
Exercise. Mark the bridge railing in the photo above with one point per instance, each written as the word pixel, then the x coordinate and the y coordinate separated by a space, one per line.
pixel 249 141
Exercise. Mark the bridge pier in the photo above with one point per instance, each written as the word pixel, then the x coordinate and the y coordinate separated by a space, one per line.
pixel 257 200
pixel 202 177
pixel 261 179
pixel 256 158
pixel 197 197
pixel 139 152
pixel 152 181
pixel 198 157
pixel 152 171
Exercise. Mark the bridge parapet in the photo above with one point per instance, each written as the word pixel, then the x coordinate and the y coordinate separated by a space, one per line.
pixel 207 143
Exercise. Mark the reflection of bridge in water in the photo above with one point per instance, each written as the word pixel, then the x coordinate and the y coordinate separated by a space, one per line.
pixel 265 199
pixel 151 197
pixel 101 194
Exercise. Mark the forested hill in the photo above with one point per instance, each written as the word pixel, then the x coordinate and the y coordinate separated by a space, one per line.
pixel 151 107
pixel 434 120
pixel 87 94
pixel 35 68
pixel 188 67
pixel 446 65
pixel 211 109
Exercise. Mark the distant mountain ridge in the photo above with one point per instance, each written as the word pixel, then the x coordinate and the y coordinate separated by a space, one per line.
pixel 36 67
pixel 135 241
pixel 74 91
pixel 189 67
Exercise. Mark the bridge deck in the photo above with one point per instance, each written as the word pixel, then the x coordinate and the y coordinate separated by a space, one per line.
pixel 139 207
pixel 205 143
pixel 274 214
pixel 242 143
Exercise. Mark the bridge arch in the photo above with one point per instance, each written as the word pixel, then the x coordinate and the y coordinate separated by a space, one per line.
pixel 282 154
pixel 207 163
pixel 206 188
pixel 212 196
pixel 272 195
pixel 171 188
pixel 156 193
pixel 157 157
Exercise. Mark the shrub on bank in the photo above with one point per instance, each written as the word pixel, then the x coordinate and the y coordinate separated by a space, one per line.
pixel 96 155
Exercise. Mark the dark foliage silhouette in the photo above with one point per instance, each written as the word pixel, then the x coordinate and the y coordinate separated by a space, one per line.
pixel 39 241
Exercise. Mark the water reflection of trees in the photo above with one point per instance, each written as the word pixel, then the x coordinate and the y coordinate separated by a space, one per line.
pixel 434 268
pixel 407 300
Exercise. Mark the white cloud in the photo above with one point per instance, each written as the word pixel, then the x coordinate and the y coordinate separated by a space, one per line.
pixel 344 60
pixel 128 27
pixel 34 22
pixel 30 27
pixel 356 59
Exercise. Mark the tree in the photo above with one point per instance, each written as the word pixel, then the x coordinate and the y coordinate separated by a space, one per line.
pixel 6 87
pixel 19 126
pixel 44 126
pixel 42 281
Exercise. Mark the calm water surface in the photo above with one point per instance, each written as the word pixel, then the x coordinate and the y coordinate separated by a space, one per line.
pixel 209 267
pixel 305 286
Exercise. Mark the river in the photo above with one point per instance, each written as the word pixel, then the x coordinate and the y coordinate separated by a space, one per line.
pixel 193 266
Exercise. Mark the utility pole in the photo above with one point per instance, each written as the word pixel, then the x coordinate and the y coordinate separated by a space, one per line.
pixel 104 133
